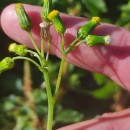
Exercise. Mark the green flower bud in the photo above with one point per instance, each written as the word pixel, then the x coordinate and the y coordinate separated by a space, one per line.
pixel 93 40
pixel 12 47
pixel 58 24
pixel 6 64
pixel 47 8
pixel 89 27
pixel 24 20
pixel 18 49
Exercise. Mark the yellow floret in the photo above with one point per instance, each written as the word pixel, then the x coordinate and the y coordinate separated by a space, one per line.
pixel 46 1
pixel 53 14
pixel 97 19
pixel 18 6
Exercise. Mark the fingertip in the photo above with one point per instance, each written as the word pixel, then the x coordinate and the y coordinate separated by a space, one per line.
pixel 6 14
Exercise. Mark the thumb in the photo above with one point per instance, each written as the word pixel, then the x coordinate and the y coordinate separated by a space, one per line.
pixel 108 121
pixel 112 60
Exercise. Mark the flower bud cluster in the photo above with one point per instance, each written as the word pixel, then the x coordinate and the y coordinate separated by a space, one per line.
pixel 92 40
pixel 51 15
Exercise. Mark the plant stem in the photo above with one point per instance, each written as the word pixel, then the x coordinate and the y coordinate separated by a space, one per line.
pixel 48 49
pixel 42 47
pixel 59 77
pixel 33 42
pixel 50 101
pixel 50 115
pixel 79 43
pixel 62 44
pixel 51 98
pixel 61 68
pixel 26 58
pixel 71 46
pixel 34 54
pixel 47 82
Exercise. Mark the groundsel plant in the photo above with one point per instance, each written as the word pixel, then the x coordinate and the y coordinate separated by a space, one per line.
pixel 50 17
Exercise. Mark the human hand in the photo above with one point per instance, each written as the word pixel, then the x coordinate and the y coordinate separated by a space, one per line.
pixel 112 60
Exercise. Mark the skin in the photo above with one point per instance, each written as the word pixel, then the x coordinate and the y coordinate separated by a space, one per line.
pixel 112 61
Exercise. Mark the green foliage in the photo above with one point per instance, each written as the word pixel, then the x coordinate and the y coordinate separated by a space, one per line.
pixel 23 114
pixel 33 2
pixel 124 16
pixel 96 7
pixel 4 3
pixel 68 116
pixel 106 89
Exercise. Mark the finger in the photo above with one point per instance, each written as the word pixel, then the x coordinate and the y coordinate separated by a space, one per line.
pixel 112 60
pixel 110 121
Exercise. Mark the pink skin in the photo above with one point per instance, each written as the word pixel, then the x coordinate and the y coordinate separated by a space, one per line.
pixel 112 60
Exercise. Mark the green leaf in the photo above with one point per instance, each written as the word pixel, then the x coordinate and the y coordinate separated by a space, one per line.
pixel 8 106
pixel 74 80
pixel 100 79
pixel 105 92
pixel 106 89
pixel 95 6
pixel 69 116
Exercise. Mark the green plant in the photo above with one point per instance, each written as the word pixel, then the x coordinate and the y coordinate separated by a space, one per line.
pixel 49 16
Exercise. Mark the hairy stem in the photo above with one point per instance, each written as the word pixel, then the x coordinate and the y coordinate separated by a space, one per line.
pixel 60 70
pixel 71 46
pixel 59 77
pixel 33 42
pixel 26 58
pixel 42 47
pixel 50 101
pixel 48 49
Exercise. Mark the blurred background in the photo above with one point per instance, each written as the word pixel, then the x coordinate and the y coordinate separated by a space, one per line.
pixel 83 95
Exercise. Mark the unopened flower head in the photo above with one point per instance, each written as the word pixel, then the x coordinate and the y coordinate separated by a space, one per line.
pixel 97 20
pixel 18 49
pixel 47 8
pixel 53 14
pixel 23 18
pixel 6 64
pixel 89 27
pixel 93 40
pixel 58 24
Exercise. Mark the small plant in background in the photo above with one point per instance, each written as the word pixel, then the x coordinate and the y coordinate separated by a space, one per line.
pixel 50 17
